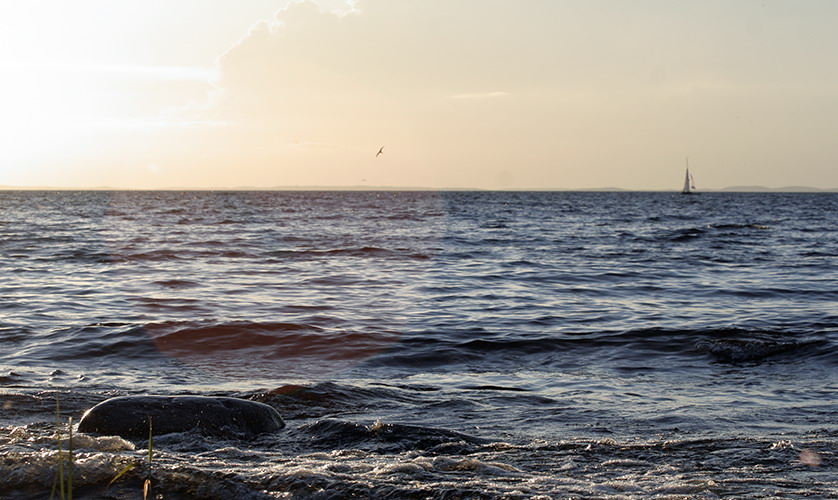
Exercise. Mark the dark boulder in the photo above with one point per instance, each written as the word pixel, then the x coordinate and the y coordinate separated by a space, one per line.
pixel 127 416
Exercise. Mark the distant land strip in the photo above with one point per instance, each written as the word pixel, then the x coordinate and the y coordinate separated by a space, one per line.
pixel 730 189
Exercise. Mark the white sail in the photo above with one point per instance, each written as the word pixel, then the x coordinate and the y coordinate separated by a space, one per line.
pixel 688 184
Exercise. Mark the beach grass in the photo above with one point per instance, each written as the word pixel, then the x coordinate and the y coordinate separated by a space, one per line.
pixel 63 483
pixel 147 482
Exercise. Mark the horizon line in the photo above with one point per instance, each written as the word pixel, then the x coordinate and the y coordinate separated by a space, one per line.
pixel 784 189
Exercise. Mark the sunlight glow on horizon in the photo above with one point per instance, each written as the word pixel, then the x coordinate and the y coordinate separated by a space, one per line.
pixel 572 94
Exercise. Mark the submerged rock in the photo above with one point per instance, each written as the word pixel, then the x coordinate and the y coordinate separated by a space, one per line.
pixel 127 416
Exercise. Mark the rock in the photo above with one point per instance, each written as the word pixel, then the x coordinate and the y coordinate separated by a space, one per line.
pixel 127 416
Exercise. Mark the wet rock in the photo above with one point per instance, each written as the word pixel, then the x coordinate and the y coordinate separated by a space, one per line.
pixel 127 416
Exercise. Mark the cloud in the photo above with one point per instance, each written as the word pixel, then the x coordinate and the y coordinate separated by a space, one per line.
pixel 401 73
pixel 379 56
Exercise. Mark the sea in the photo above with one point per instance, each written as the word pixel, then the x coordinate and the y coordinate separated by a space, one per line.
pixel 425 345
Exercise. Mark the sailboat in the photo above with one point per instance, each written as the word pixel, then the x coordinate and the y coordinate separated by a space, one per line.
pixel 689 182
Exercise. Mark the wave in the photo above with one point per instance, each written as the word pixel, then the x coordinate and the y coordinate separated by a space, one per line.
pixel 378 437
pixel 324 346
pixel 739 226
pixel 176 283
pixel 209 250
pixel 320 402
pixel 99 342
pixel 152 256
pixel 228 346
pixel 727 345
pixel 361 252
pixel 690 233
pixel 122 257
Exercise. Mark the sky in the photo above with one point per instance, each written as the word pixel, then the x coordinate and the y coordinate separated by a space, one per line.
pixel 491 94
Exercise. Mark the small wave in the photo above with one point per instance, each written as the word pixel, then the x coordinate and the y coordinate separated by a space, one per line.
pixel 150 256
pixel 691 233
pixel 176 283
pixel 688 234
pixel 75 256
pixel 214 243
pixel 243 349
pixel 361 252
pixel 737 346
pixel 100 342
pixel 495 388
pixel 739 226
pixel 159 304
pixel 787 293
pixel 191 338
pixel 737 351
pixel 175 255
pixel 14 334
pixel 11 378
pixel 234 254
pixel 297 401
pixel 380 437
pixel 818 253
pixel 403 217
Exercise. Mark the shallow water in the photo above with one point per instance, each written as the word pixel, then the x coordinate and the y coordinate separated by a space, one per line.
pixel 429 345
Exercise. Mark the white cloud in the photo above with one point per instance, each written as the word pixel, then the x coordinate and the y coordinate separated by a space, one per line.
pixel 309 61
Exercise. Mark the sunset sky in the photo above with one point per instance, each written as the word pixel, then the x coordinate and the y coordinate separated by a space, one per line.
pixel 461 93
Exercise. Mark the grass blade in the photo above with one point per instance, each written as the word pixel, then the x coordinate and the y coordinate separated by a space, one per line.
pixel 59 474
pixel 123 471
pixel 70 459
pixel 149 439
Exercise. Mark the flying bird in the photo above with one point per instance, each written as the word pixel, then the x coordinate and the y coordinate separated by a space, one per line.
pixel 379 151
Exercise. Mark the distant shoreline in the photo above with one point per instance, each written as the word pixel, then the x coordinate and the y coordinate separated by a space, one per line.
pixel 731 189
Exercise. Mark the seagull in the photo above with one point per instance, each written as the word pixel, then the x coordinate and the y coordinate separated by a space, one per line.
pixel 379 151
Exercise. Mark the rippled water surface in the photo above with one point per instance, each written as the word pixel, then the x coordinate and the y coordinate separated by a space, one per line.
pixel 429 345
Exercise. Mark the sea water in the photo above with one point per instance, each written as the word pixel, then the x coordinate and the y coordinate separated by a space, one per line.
pixel 428 344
